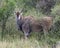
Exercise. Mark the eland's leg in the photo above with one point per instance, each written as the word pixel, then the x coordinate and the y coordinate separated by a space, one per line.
pixel 45 36
pixel 26 30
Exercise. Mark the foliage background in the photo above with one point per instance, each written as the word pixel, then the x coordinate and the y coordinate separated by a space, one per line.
pixel 37 8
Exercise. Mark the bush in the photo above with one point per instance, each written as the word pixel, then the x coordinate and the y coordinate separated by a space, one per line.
pixel 45 6
pixel 56 10
pixel 55 32
pixel 5 12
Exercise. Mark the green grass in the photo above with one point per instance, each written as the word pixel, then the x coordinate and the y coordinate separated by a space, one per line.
pixel 32 42
pixel 22 44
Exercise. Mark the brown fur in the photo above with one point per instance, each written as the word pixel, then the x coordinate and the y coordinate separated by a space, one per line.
pixel 29 22
pixel 37 25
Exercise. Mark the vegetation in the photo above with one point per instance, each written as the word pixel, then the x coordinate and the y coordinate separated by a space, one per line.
pixel 10 37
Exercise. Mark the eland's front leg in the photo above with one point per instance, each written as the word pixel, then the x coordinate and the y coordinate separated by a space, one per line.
pixel 26 30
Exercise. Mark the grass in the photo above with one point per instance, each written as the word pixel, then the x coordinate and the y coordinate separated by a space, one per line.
pixel 22 43
pixel 32 42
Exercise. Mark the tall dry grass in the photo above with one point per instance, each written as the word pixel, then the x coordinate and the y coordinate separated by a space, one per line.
pixel 22 44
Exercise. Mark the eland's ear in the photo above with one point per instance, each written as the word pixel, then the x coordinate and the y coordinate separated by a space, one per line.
pixel 21 13
pixel 14 13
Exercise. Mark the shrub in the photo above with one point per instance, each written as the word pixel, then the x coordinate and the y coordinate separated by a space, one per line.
pixel 55 32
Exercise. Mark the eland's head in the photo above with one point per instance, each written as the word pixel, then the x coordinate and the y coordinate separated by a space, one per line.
pixel 19 14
